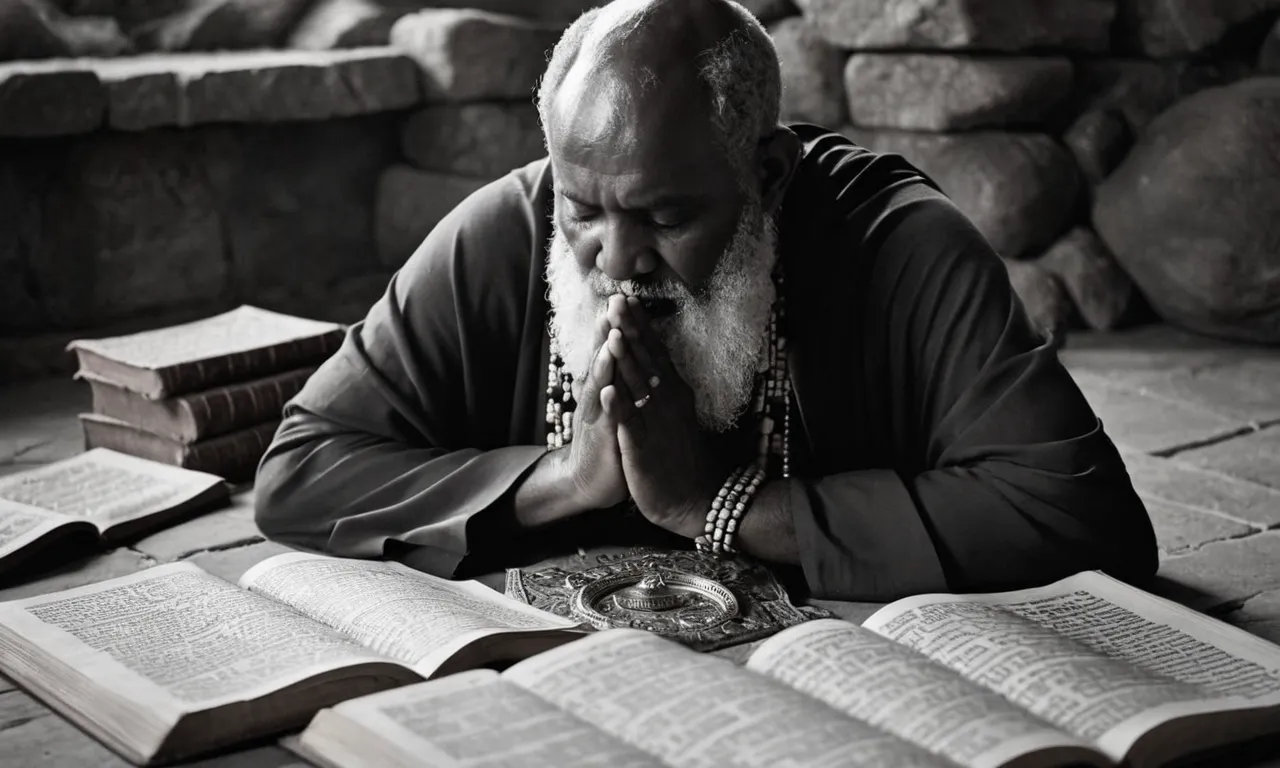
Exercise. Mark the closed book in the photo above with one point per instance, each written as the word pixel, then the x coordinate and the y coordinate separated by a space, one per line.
pixel 199 415
pixel 233 456
pixel 243 344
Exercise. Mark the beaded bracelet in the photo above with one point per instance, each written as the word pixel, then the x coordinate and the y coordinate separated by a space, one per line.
pixel 727 509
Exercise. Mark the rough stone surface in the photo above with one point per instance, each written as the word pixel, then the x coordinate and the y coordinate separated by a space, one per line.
pixel 1254 457
pixel 91 36
pixel 1175 481
pixel 1227 572
pixel 469 55
pixel 256 86
pixel 1140 422
pixel 484 140
pixel 409 205
pixel 1098 287
pixel 298 200
pixel 1211 268
pixel 225 528
pixel 1269 52
pixel 769 10
pixel 35 428
pixel 230 564
pixel 25 35
pixel 812 74
pixel 980 25
pixel 1245 390
pixel 130 226
pixel 1138 89
pixel 49 99
pixel 1099 140
pixel 77 573
pixel 1167 28
pixel 24 172
pixel 1145 351
pixel 345 24
pixel 1019 189
pixel 941 92
pixel 1045 300
pixel 1259 616
pixel 221 25
pixel 1180 529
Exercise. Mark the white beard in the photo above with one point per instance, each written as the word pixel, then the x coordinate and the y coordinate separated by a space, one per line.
pixel 716 340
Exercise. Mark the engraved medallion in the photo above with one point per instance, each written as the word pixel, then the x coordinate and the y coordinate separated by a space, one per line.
pixel 663 602
pixel 701 600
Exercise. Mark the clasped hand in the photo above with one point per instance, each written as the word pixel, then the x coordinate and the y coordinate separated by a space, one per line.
pixel 636 431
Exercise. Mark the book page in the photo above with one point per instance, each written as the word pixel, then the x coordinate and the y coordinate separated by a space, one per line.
pixel 479 719
pixel 106 487
pixel 694 710
pixel 901 691
pixel 1102 660
pixel 180 638
pixel 240 330
pixel 409 616
pixel 21 525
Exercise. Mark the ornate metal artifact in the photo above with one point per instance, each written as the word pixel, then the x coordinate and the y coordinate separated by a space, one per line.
pixel 703 601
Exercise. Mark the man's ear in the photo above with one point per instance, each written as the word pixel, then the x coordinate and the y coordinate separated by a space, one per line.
pixel 777 157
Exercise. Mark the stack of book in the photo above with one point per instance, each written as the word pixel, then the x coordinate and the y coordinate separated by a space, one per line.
pixel 205 395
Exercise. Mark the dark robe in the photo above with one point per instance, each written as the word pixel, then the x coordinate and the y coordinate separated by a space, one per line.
pixel 938 443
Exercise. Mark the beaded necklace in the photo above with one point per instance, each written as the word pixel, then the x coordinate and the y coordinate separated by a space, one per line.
pixel 771 403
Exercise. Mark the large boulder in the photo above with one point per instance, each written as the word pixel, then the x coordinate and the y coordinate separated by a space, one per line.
pixel 25 34
pixel 980 25
pixel 1169 28
pixel 1019 189
pixel 1099 288
pixel 1138 89
pixel 943 92
pixel 1099 140
pixel 485 140
pixel 1269 53
pixel 1042 295
pixel 1192 212
pixel 216 25
pixel 812 74
pixel 765 10
pixel 469 55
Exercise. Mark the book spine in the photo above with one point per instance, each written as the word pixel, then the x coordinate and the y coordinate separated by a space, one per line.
pixel 185 378
pixel 218 412
pixel 233 457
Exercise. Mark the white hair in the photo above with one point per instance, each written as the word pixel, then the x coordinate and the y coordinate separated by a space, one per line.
pixel 740 72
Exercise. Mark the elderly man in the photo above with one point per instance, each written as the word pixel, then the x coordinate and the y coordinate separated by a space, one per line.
pixel 693 326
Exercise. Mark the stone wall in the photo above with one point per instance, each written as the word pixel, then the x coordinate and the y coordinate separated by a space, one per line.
pixel 1098 144
pixel 1091 142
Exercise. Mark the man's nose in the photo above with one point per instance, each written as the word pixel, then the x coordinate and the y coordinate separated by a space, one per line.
pixel 625 252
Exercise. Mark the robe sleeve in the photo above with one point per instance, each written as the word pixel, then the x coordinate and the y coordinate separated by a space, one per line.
pixel 1007 478
pixel 403 436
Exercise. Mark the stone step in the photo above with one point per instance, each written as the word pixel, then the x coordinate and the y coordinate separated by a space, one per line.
pixel 67 96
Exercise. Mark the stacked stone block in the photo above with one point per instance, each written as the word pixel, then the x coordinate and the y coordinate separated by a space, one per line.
pixel 1026 113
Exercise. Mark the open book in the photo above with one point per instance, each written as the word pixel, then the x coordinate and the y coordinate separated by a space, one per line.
pixel 173 662
pixel 98 494
pixel 1086 671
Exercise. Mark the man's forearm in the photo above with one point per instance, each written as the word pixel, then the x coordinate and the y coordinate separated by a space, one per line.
pixel 766 531
pixel 546 493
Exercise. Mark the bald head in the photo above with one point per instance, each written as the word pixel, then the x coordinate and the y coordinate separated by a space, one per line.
pixel 668 62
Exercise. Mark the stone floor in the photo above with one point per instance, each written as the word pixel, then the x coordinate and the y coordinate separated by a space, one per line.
pixel 1198 420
